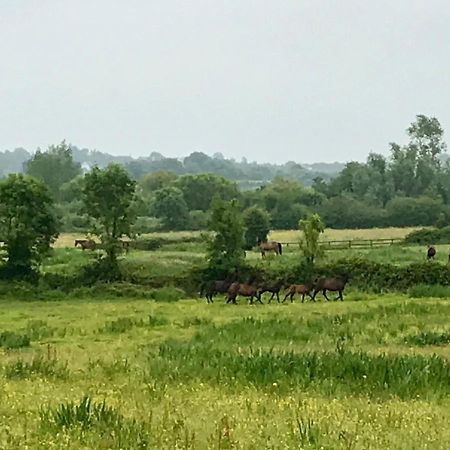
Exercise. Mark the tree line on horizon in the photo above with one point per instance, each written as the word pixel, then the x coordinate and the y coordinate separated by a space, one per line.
pixel 410 187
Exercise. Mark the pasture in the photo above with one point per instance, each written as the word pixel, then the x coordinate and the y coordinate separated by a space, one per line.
pixel 139 366
pixel 368 373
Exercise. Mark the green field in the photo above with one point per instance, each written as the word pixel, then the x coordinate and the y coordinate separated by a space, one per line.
pixel 370 374
pixel 136 366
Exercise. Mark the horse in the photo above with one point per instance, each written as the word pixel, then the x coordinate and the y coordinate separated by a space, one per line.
pixel 270 246
pixel 273 288
pixel 85 244
pixel 303 289
pixel 244 290
pixel 330 284
pixel 431 252
pixel 214 287
pixel 125 245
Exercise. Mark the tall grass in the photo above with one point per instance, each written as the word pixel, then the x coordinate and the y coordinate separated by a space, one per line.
pixel 340 372
pixel 99 418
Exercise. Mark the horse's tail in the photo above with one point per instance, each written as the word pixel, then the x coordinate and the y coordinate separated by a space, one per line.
pixel 280 248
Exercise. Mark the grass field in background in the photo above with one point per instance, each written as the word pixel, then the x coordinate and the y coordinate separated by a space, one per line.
pixel 67 239
pixel 190 376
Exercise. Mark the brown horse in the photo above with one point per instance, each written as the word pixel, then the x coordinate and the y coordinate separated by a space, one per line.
pixel 85 244
pixel 213 288
pixel 431 252
pixel 244 290
pixel 330 284
pixel 273 287
pixel 302 289
pixel 270 246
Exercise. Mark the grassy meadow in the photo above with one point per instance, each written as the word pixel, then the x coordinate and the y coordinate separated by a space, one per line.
pixel 137 367
pixel 369 373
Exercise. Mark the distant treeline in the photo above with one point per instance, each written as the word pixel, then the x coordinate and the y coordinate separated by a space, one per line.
pixel 249 175
pixel 410 187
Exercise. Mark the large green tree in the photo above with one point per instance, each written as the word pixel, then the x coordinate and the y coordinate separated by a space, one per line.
pixel 151 182
pixel 108 197
pixel 199 190
pixel 225 251
pixel 27 223
pixel 54 167
pixel 168 205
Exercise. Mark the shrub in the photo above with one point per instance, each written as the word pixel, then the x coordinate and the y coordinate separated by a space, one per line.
pixel 427 236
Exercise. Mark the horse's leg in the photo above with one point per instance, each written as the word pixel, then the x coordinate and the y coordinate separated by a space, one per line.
pixel 285 297
pixel 258 297
pixel 341 296
pixel 303 297
pixel 324 293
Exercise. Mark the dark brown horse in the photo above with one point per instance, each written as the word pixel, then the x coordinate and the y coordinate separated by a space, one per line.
pixel 431 252
pixel 270 246
pixel 244 290
pixel 330 284
pixel 85 244
pixel 272 287
pixel 212 288
pixel 301 289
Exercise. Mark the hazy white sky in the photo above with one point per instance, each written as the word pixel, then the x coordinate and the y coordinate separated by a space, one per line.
pixel 272 80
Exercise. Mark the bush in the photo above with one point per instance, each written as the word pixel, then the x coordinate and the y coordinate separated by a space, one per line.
pixel 427 236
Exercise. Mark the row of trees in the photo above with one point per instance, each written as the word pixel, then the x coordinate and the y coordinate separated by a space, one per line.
pixel 411 187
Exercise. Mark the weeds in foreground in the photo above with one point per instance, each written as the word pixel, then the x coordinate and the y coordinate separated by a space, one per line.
pixel 99 418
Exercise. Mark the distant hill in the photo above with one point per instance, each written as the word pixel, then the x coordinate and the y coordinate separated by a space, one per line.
pixel 249 175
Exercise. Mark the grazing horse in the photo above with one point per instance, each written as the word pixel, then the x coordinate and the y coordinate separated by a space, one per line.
pixel 274 288
pixel 330 284
pixel 431 252
pixel 85 244
pixel 270 246
pixel 244 290
pixel 302 289
pixel 214 287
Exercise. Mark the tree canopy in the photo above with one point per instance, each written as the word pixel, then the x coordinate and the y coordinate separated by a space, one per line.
pixel 108 196
pixel 54 167
pixel 28 224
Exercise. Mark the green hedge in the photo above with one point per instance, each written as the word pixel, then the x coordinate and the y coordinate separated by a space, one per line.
pixel 429 236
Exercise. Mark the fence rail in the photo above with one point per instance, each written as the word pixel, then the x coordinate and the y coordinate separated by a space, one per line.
pixel 351 243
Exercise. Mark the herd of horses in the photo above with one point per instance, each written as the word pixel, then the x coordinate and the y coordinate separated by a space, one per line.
pixel 254 291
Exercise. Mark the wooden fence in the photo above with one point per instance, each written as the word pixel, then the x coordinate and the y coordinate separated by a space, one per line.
pixel 352 243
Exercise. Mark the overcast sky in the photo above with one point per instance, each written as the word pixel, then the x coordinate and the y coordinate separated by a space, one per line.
pixel 271 80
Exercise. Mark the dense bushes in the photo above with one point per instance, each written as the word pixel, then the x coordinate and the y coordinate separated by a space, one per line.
pixel 429 236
